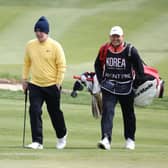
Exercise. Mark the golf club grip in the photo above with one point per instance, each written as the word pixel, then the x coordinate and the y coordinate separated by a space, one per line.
pixel 26 94
pixel 78 77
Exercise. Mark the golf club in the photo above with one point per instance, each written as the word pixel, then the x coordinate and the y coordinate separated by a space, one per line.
pixel 24 125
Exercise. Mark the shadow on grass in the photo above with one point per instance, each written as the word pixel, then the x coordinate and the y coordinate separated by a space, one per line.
pixel 7 147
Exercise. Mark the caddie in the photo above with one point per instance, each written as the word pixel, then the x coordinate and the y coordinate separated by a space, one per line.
pixel 116 66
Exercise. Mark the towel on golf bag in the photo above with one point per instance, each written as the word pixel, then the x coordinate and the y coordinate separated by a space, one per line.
pixel 89 80
pixel 94 88
pixel 116 87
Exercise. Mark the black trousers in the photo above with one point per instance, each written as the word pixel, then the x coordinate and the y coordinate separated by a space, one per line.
pixel 51 96
pixel 129 119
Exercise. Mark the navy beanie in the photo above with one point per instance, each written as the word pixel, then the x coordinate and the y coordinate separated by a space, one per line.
pixel 42 25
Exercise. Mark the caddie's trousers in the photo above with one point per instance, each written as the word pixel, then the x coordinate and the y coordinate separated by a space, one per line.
pixel 127 106
pixel 51 96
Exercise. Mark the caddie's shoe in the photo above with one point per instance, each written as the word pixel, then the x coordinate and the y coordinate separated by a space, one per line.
pixel 34 145
pixel 104 144
pixel 130 144
pixel 61 143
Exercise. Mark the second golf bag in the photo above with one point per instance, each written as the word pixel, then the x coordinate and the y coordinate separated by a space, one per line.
pixel 89 80
pixel 149 89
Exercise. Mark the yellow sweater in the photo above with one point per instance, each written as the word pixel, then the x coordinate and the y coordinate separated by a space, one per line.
pixel 46 62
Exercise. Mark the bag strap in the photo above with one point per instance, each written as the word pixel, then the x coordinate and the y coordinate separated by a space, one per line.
pixel 103 53
pixel 129 50
pixel 129 54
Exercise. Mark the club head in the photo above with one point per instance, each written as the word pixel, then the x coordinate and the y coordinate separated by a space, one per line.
pixel 74 94
pixel 78 86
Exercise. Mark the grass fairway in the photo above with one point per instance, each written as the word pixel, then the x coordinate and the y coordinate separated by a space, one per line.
pixel 84 133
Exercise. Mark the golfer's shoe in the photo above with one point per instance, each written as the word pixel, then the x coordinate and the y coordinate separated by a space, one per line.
pixel 34 145
pixel 130 144
pixel 104 144
pixel 61 142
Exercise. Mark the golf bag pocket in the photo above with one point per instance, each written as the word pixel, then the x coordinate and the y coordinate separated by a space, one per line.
pixel 116 87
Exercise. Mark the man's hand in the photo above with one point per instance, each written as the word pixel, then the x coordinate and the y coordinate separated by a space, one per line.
pixel 58 86
pixel 24 85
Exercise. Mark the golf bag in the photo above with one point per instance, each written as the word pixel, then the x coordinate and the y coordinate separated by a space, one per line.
pixel 149 89
pixel 89 80
pixel 145 92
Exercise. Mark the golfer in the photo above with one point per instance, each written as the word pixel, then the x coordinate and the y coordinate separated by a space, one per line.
pixel 45 61
pixel 115 66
